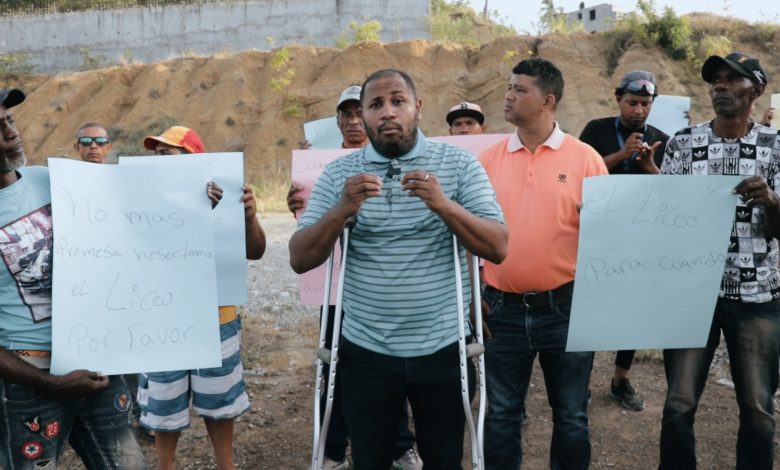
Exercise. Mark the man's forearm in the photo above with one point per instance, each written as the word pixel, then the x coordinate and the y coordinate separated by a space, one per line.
pixel 485 238
pixel 311 246
pixel 255 239
pixel 614 159
pixel 14 369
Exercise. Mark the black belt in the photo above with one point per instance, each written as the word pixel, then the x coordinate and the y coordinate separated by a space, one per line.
pixel 559 295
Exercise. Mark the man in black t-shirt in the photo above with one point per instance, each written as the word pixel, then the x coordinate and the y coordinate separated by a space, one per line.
pixel 625 141
pixel 629 146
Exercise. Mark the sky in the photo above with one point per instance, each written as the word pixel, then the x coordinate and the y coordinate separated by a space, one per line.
pixel 523 15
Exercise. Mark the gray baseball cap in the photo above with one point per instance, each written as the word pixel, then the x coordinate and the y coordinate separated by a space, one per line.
pixel 638 82
pixel 350 94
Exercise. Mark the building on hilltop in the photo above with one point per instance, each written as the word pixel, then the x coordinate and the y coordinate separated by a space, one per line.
pixel 599 17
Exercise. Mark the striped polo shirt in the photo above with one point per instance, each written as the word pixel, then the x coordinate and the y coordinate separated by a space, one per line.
pixel 399 288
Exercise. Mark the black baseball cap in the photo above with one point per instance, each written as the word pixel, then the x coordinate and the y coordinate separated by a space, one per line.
pixel 742 64
pixel 11 97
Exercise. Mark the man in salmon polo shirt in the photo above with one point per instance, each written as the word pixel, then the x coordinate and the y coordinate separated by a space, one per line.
pixel 537 173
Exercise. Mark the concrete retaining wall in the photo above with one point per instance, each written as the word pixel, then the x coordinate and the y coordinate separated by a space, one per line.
pixel 61 41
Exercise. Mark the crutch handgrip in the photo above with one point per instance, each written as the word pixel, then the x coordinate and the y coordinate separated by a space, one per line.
pixel 323 354
pixel 474 349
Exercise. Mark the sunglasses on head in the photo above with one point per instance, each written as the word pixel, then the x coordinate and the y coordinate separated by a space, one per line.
pixel 87 141
pixel 637 85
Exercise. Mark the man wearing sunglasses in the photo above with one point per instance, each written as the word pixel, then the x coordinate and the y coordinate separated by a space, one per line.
pixel 92 143
pixel 629 146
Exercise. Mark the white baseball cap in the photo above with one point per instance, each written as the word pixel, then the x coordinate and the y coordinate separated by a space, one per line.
pixel 350 94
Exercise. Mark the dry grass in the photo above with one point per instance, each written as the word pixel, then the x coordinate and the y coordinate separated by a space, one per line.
pixel 271 189
pixel 709 28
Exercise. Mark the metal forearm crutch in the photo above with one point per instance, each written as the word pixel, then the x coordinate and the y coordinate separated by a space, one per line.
pixel 468 351
pixel 329 356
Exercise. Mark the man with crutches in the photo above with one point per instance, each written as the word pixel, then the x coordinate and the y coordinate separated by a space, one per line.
pixel 408 197
pixel 334 440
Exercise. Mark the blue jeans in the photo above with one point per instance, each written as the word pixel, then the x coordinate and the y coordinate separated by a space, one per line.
pixel 519 333
pixel 752 333
pixel 374 388
pixel 34 427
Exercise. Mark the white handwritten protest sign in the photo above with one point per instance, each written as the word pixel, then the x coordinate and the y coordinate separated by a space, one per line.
pixel 775 103
pixel 669 113
pixel 134 275
pixel 323 133
pixel 227 170
pixel 651 255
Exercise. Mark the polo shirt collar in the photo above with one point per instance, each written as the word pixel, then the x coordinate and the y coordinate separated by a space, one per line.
pixel 419 149
pixel 554 141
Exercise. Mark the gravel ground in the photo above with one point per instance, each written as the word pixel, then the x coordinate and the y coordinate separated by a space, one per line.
pixel 278 346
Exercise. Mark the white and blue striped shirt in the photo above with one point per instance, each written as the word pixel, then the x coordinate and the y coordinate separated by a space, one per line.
pixel 399 292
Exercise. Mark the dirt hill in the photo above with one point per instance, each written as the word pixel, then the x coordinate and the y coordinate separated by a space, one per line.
pixel 229 100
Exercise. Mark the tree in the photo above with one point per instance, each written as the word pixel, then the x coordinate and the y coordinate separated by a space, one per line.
pixel 551 19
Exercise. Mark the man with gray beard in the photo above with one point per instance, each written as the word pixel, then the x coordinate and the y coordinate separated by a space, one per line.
pixel 40 411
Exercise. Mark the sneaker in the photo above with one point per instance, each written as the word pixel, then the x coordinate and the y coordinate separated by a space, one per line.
pixel 625 393
pixel 142 433
pixel 328 464
pixel 409 461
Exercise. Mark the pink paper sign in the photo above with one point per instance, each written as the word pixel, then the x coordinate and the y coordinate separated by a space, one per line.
pixel 473 143
pixel 307 165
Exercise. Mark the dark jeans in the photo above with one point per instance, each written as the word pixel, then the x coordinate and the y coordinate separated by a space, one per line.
pixel 519 334
pixel 34 427
pixel 131 380
pixel 623 359
pixel 336 440
pixel 375 386
pixel 752 333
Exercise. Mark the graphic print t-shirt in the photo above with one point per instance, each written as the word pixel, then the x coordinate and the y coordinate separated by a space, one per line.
pixel 750 274
pixel 26 261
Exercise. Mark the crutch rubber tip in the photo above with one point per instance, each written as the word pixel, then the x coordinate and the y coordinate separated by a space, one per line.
pixel 323 354
pixel 475 349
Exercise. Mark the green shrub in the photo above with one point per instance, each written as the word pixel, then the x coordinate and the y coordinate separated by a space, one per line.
pixel 457 22
pixel 90 61
pixel 368 31
pixel 280 63
pixel 713 45
pixel 15 63
pixel 551 19
pixel 669 31
pixel 37 7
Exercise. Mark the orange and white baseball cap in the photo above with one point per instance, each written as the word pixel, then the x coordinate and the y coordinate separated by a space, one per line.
pixel 177 136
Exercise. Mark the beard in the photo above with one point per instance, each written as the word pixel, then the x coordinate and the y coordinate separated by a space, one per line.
pixel 12 164
pixel 392 147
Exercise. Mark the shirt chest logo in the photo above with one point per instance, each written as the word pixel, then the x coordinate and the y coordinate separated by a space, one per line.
pixel 561 178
